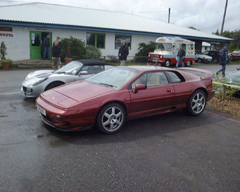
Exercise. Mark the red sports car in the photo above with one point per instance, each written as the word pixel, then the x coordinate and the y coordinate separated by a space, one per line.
pixel 108 99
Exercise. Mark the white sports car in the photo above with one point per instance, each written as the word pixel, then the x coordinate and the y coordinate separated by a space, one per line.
pixel 39 81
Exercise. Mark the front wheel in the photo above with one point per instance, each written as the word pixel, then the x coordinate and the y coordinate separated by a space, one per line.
pixel 188 64
pixel 111 118
pixel 196 103
pixel 199 60
pixel 167 63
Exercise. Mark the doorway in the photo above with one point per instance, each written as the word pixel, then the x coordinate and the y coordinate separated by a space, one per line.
pixel 36 39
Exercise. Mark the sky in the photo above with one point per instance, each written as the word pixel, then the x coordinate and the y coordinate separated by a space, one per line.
pixel 204 15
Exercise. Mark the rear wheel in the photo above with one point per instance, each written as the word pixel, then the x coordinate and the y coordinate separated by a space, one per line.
pixel 52 85
pixel 196 103
pixel 111 118
pixel 167 63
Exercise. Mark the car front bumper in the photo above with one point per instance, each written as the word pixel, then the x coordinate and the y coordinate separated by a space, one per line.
pixel 30 91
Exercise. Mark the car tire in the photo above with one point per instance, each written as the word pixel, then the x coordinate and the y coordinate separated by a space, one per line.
pixel 215 60
pixel 167 63
pixel 188 64
pixel 199 60
pixel 196 103
pixel 111 118
pixel 52 85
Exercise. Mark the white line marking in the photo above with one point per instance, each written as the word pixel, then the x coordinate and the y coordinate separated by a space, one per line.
pixel 10 93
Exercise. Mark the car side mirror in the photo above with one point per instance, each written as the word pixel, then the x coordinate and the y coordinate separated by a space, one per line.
pixel 139 87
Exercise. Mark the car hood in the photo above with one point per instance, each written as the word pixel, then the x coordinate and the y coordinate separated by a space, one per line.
pixel 75 93
pixel 39 74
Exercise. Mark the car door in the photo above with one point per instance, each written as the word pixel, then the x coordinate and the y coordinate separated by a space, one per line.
pixel 182 89
pixel 157 97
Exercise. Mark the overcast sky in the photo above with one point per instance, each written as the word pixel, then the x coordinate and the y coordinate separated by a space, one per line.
pixel 205 15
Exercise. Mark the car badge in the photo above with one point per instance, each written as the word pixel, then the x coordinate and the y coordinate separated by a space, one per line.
pixel 53 97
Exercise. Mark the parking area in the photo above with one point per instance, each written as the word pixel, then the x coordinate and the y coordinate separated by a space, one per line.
pixel 170 152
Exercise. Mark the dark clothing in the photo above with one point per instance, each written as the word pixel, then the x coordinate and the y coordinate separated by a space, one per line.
pixel 223 59
pixel 181 53
pixel 223 56
pixel 59 44
pixel 56 51
pixel 46 42
pixel 123 52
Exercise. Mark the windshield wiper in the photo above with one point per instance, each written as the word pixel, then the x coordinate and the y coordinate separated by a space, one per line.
pixel 107 85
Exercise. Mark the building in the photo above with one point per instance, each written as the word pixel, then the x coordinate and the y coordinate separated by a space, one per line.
pixel 24 26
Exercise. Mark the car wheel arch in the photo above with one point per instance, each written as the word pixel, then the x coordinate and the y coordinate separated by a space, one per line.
pixel 111 102
pixel 191 110
pixel 52 83
pixel 103 108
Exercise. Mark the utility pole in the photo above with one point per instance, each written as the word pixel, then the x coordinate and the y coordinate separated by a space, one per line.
pixel 224 17
pixel 169 15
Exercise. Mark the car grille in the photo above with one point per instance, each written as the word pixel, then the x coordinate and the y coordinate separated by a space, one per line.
pixel 154 57
pixel 24 89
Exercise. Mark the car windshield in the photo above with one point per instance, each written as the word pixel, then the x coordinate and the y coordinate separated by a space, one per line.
pixel 71 68
pixel 115 77
pixel 164 46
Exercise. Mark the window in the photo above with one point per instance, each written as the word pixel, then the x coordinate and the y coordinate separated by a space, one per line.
pixel 156 79
pixel 141 80
pixel 9 29
pixel 93 69
pixel 96 39
pixel 119 38
pixel 175 77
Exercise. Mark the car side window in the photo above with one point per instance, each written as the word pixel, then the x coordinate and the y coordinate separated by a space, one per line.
pixel 156 79
pixel 93 69
pixel 175 77
pixel 141 80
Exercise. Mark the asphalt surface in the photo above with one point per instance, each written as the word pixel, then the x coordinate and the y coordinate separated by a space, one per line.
pixel 170 152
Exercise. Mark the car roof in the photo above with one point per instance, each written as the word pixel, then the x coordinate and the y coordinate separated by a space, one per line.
pixel 93 62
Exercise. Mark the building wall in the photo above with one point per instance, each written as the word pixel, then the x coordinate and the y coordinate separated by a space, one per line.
pixel 18 41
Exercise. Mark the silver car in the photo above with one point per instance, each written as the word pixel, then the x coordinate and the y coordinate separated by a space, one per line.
pixel 39 81
pixel 201 58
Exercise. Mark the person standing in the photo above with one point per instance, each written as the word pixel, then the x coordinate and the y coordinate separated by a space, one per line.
pixel 123 53
pixel 180 56
pixel 56 52
pixel 223 59
pixel 46 47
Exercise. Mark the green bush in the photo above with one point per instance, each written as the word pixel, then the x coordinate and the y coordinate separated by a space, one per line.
pixel 92 52
pixel 112 59
pixel 144 48
pixel 3 52
pixel 73 48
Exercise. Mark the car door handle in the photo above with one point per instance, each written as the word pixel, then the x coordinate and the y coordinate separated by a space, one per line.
pixel 169 90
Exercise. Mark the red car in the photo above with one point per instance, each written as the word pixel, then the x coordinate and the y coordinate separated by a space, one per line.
pixel 235 56
pixel 106 100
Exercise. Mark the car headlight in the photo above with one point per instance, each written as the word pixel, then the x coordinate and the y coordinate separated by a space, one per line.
pixel 37 81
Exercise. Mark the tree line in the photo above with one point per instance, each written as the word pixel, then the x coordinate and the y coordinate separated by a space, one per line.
pixel 235 44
